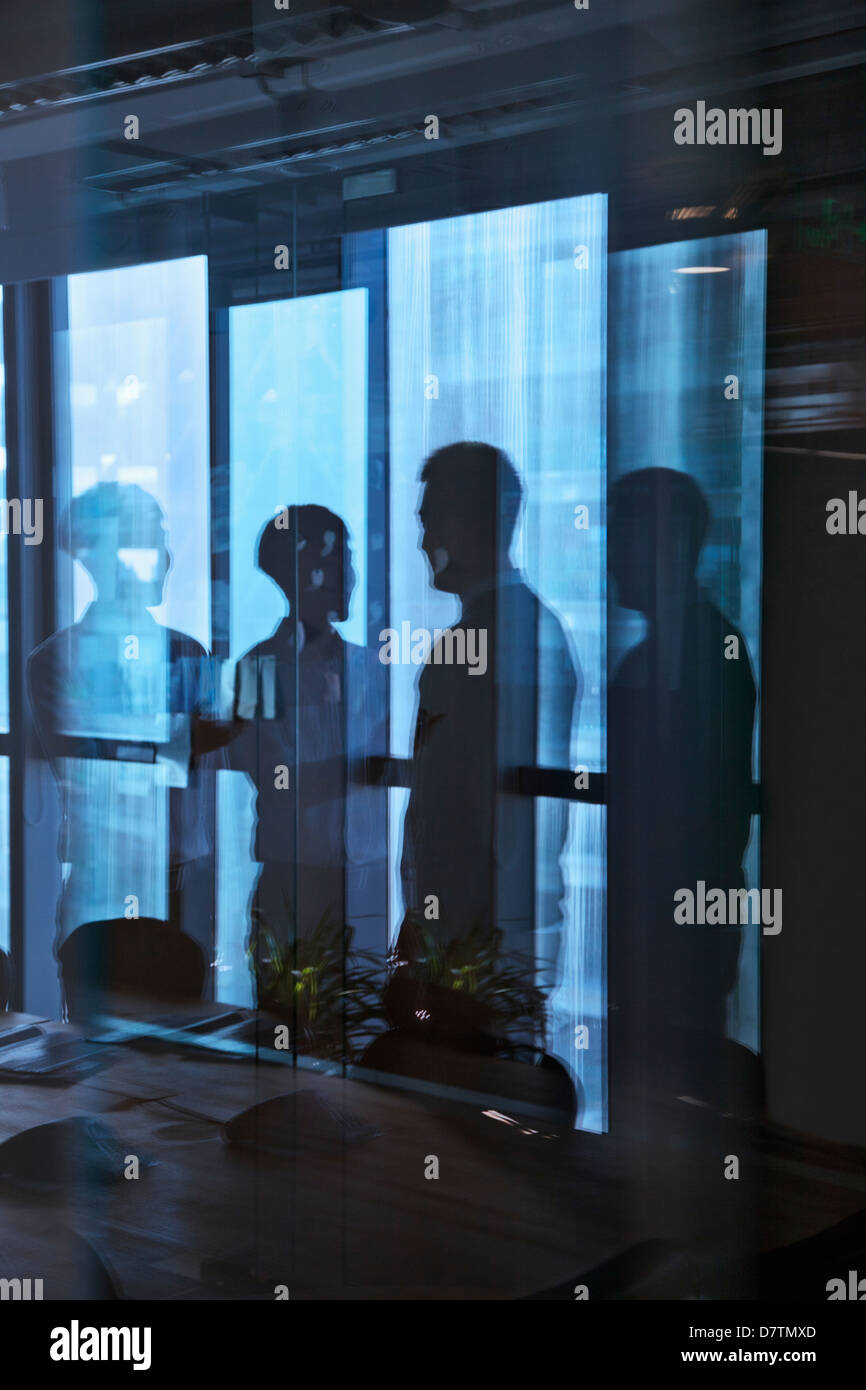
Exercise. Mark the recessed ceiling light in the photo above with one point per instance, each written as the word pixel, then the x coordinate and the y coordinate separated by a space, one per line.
pixel 687 214
pixel 701 269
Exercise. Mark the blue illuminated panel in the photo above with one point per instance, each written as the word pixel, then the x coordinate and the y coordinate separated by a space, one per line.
pixel 497 333
pixel 298 392
pixel 298 435
pixel 686 319
pixel 133 580
pixel 138 412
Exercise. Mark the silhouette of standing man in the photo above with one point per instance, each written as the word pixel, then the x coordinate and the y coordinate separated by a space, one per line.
pixel 312 708
pixel 469 837
pixel 680 737
pixel 116 698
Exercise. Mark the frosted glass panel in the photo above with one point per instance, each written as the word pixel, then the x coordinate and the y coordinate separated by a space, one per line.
pixel 686 393
pixel 115 841
pixel 129 668
pixel 138 408
pixel 298 392
pixel 678 338
pixel 236 879
pixel 298 435
pixel 497 334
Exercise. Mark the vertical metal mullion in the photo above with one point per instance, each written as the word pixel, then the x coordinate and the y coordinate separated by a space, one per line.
pixel 12 365
pixel 28 356
pixel 370 630
pixel 366 266
pixel 219 551
pixel 220 482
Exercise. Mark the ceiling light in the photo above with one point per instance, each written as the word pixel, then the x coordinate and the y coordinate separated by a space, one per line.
pixel 687 214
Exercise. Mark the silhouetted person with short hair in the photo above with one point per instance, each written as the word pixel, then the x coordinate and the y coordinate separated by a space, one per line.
pixel 313 707
pixel 116 696
pixel 681 719
pixel 469 835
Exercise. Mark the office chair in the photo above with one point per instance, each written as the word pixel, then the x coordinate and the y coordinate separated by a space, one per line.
pixel 144 958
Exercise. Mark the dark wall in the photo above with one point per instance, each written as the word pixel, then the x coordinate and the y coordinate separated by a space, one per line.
pixel 814 775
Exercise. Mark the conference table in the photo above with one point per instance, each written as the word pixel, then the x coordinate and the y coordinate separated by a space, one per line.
pixel 506 1211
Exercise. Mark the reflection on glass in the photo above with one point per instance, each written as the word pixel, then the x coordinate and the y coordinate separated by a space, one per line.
pixel 686 393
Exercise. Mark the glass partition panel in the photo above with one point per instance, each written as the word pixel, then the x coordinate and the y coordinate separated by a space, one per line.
pixel 294 836
pixel 686 394
pixel 497 336
pixel 115 688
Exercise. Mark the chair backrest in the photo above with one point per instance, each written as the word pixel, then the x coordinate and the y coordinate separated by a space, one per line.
pixel 145 957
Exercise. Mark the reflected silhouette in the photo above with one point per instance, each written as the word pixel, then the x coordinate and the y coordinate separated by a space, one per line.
pixel 481 871
pixel 681 718
pixel 313 709
pixel 115 697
